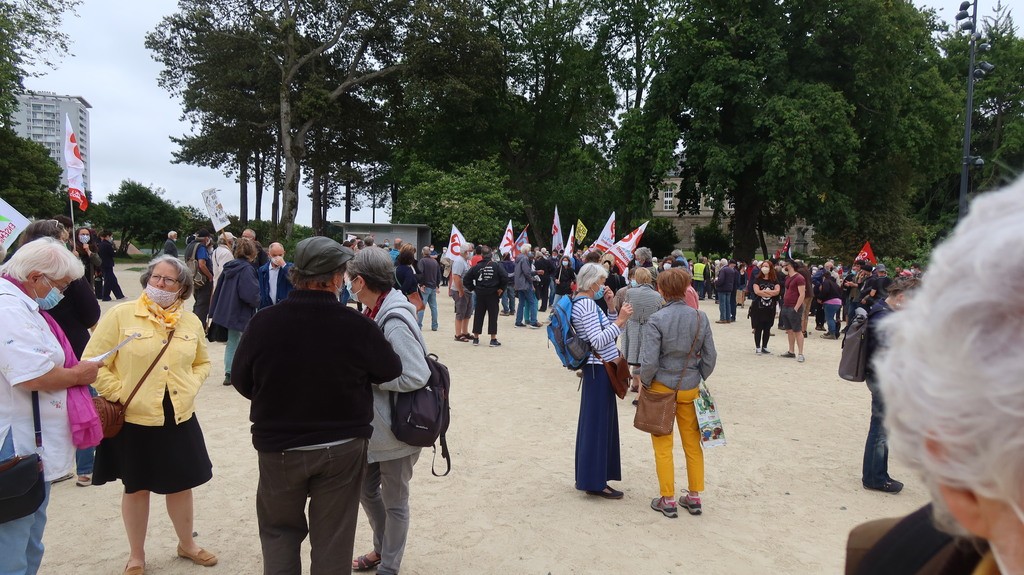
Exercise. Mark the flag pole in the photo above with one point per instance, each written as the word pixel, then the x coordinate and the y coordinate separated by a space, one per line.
pixel 71 207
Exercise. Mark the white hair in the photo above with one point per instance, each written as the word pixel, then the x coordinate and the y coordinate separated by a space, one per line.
pixel 47 256
pixel 723 262
pixel 643 254
pixel 951 372
pixel 589 275
pixel 526 248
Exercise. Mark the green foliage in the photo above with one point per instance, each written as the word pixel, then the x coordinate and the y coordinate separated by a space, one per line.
pixel 473 197
pixel 661 236
pixel 29 178
pixel 192 220
pixel 140 215
pixel 711 241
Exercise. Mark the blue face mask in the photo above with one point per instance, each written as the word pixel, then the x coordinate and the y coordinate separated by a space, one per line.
pixel 348 288
pixel 632 283
pixel 51 300
pixel 599 293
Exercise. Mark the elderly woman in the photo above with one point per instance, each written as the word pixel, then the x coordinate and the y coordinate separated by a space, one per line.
pixel 678 352
pixel 161 447
pixel 385 496
pixel 950 375
pixel 597 432
pixel 645 301
pixel 236 298
pixel 33 376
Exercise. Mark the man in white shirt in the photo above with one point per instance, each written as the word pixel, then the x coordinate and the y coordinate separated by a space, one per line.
pixel 274 282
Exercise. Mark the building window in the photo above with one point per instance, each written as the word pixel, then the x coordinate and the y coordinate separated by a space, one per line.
pixel 668 195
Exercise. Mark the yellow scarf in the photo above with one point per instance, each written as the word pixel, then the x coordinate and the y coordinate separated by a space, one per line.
pixel 167 317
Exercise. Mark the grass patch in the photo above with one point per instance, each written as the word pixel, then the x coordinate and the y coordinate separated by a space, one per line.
pixel 137 269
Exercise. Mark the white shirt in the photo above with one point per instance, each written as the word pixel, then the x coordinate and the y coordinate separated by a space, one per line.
pixel 274 271
pixel 221 256
pixel 28 349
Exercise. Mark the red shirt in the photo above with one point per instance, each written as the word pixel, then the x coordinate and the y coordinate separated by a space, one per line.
pixel 792 297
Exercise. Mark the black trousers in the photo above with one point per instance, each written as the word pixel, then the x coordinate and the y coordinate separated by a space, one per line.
pixel 486 303
pixel 110 285
pixel 542 295
pixel 762 330
pixel 202 305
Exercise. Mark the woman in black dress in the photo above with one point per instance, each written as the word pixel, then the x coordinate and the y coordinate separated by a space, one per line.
pixel 764 306
pixel 161 447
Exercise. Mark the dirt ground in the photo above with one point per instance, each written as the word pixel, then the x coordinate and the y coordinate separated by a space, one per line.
pixel 781 496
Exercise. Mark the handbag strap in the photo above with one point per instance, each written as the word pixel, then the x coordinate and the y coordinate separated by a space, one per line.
pixel 170 334
pixel 686 363
pixel 36 419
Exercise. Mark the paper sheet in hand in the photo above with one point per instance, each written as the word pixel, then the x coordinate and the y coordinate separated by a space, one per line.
pixel 104 356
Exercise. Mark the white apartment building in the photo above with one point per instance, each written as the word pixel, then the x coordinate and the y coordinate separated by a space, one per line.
pixel 40 118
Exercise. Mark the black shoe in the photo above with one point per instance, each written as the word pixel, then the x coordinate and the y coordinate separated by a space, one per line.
pixel 788 354
pixel 495 343
pixel 476 341
pixel 227 379
pixel 520 325
pixel 891 486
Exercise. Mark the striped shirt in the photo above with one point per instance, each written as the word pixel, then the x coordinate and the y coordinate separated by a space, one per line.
pixel 592 325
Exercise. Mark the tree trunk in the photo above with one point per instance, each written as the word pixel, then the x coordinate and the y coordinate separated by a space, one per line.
pixel 243 188
pixel 760 237
pixel 348 201
pixel 394 197
pixel 325 202
pixel 275 206
pixel 747 208
pixel 259 163
pixel 317 196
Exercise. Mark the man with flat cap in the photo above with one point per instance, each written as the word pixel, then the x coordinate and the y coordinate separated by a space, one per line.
pixel 312 410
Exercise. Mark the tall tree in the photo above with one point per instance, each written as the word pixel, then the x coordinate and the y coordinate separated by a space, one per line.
pixel 29 178
pixel 141 215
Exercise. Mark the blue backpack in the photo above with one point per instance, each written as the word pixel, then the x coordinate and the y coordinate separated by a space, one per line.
pixel 571 350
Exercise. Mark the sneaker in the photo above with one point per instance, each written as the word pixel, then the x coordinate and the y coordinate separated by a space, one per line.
pixel 819 328
pixel 227 379
pixel 520 325
pixel 666 506
pixel 691 504
pixel 828 336
pixel 788 354
pixel 476 341
pixel 800 358
pixel 495 343
pixel 84 481
pixel 765 351
pixel 534 326
pixel 891 486
pixel 757 350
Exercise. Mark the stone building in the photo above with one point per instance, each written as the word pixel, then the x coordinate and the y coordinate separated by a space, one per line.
pixel 801 234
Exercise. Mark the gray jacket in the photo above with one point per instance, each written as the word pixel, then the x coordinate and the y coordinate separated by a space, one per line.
pixel 409 346
pixel 667 337
pixel 524 273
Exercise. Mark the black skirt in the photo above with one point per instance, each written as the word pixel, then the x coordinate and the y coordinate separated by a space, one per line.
pixel 165 459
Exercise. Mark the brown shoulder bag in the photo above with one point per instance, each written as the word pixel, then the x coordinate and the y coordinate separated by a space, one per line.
pixel 112 413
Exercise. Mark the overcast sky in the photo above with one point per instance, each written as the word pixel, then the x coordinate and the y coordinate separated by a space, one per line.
pixel 132 119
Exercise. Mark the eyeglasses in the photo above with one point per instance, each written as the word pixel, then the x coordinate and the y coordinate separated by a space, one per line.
pixel 164 280
pixel 60 227
pixel 53 284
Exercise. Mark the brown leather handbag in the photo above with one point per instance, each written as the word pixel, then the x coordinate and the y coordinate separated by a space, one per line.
pixel 656 410
pixel 618 373
pixel 112 412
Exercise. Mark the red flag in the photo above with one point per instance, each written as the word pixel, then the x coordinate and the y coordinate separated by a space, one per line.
pixel 867 254
pixel 520 242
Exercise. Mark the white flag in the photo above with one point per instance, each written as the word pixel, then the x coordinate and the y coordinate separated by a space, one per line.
pixel 75 166
pixel 455 243
pixel 607 239
pixel 216 210
pixel 569 248
pixel 508 242
pixel 623 250
pixel 12 223
pixel 556 234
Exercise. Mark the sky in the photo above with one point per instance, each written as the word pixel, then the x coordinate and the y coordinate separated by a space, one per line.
pixel 132 119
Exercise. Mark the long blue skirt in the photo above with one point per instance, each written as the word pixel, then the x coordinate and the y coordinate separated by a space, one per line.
pixel 597 434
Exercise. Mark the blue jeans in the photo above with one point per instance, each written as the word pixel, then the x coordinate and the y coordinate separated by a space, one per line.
pixel 430 300
pixel 508 301
pixel 699 286
pixel 875 471
pixel 527 306
pixel 229 350
pixel 86 458
pixel 830 317
pixel 725 309
pixel 21 540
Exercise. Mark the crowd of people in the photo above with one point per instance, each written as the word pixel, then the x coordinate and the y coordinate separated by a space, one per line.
pixel 329 441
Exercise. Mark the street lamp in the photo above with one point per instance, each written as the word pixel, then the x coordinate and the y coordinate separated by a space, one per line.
pixel 967 21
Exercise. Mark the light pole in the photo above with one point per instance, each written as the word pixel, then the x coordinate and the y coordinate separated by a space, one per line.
pixel 968 21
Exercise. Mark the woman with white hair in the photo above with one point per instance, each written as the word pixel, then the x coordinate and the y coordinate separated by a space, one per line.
pixel 37 366
pixel 951 377
pixel 385 495
pixel 597 432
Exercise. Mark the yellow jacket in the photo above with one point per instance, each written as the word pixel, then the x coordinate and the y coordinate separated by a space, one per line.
pixel 182 369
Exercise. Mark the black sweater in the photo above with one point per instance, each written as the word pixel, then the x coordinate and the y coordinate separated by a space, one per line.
pixel 307 364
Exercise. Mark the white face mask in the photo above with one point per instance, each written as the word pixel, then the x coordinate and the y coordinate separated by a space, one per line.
pixel 667 266
pixel 160 297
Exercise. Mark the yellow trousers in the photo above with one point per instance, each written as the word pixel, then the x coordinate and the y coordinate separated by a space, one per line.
pixel 689 433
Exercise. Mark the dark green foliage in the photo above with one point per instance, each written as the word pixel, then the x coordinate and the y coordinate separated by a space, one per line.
pixel 139 214
pixel 29 178
pixel 711 241
pixel 661 236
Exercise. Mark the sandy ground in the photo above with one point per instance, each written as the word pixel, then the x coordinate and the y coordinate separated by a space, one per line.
pixel 781 496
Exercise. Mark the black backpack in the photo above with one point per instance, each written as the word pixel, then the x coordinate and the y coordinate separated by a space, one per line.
pixel 421 417
pixel 854 359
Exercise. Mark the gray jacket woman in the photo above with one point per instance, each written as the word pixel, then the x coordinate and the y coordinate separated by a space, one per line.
pixel 385 497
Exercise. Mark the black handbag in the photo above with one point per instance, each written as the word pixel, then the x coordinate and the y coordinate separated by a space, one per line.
pixel 22 487
pixel 216 333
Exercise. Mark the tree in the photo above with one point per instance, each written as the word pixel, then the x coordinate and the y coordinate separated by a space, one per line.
pixel 140 214
pixel 192 219
pixel 29 178
pixel 29 35
pixel 473 197
pixel 799 110
pixel 709 240
pixel 661 236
